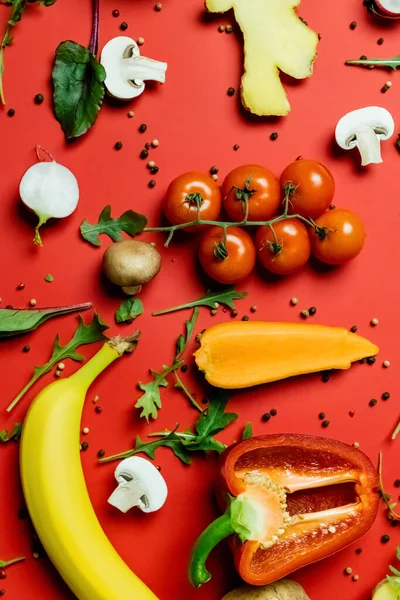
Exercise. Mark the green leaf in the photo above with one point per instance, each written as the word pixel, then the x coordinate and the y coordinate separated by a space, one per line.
pixel 150 401
pixel 78 88
pixel 226 297
pixel 84 334
pixel 49 278
pixel 392 63
pixel 183 341
pixel 247 432
pixel 216 419
pixel 14 321
pixel 130 222
pixel 171 441
pixel 14 435
pixel 129 310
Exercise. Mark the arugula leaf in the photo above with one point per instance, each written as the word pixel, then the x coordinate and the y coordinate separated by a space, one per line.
pixel 14 435
pixel 384 495
pixel 226 297
pixel 78 88
pixel 392 63
pixel 17 10
pixel 181 386
pixel 84 334
pixel 130 222
pixel 129 310
pixel 185 442
pixel 247 431
pixel 14 321
pixel 150 401
pixel 394 581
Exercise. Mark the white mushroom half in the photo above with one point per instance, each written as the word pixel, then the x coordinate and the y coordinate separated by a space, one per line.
pixel 126 70
pixel 139 484
pixel 389 7
pixel 364 129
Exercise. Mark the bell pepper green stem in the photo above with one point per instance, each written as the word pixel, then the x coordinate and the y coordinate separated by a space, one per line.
pixel 217 531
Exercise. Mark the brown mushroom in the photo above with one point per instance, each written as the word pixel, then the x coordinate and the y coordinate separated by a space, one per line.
pixel 130 264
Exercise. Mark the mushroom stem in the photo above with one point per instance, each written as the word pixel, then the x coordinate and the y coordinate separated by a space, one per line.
pixel 369 145
pixel 143 69
pixel 133 290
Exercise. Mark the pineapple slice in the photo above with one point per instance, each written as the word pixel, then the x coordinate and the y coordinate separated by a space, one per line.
pixel 274 39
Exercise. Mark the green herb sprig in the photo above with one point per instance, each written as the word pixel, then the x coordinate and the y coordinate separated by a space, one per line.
pixel 200 438
pixel 211 299
pixel 384 495
pixel 7 563
pixel 84 334
pixel 14 321
pixel 130 222
pixel 15 434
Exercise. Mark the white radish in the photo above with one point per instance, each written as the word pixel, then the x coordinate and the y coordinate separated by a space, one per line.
pixel 50 190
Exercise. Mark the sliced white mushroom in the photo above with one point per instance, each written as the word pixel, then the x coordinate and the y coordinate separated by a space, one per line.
pixel 364 129
pixel 126 70
pixel 139 484
pixel 389 7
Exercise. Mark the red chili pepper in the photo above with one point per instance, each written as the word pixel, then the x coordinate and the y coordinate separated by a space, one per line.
pixel 293 499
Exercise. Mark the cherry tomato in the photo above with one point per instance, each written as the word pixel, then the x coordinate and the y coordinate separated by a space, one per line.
pixel 315 187
pixel 191 194
pixel 256 184
pixel 230 262
pixel 287 250
pixel 339 236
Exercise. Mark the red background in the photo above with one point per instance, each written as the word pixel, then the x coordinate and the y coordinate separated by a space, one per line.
pixel 197 125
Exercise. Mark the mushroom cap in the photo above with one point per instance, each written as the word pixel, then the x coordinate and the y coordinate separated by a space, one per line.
pixel 390 6
pixel 374 117
pixel 114 56
pixel 130 263
pixel 148 477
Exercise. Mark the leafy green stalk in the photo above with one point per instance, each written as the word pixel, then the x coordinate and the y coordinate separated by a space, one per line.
pixel 200 439
pixel 181 386
pixel 150 401
pixel 84 334
pixel 247 431
pixel 14 435
pixel 391 63
pixel 17 10
pixel 130 222
pixel 6 563
pixel 396 432
pixel 14 321
pixel 211 299
pixel 390 505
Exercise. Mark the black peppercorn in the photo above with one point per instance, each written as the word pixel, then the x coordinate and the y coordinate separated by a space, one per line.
pixel 273 412
pixel 184 368
pixel 312 310
pixel 2 592
pixel 154 170
pixel 118 145
pixel 353 25
pixel 321 416
pixel 373 402
pixel 266 417
pixel 236 147
pixel 123 26
pixel 371 360
pixel 152 183
pixel 84 446
pixel 363 57
pixel 325 377
pixel 3 574
pixel 385 396
pixel 26 348
pixel 354 329
pixel 231 91
pixel 273 136
pixel 397 483
pixel 325 423
pixel 144 153
pixel 234 313
pixel 380 41
pixel 101 453
pixel 332 206
pixel 11 112
pixel 39 98
pixel 214 170
pixel 142 127
pixel 358 550
pixel 385 539
pixel 98 409
pixel 115 13
pixel 245 318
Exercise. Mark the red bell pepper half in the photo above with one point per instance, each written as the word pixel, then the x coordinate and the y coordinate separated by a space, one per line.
pixel 292 500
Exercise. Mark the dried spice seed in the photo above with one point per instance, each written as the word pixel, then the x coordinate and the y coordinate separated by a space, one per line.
pixel 3 574
pixel 131 114
pixel 374 322
pixel 155 143
pixel 33 302
pixel 236 147
pixel 115 13
pixel 118 145
pixel 234 313
pixel 354 329
pixel 353 25
pixel 215 177
pixel 20 286
pixel 385 396
pixel 355 578
pixel 371 360
pixel 101 453
pixel 356 445
pixel 380 41
pixel 397 483
pixel 245 318
pixel 373 402
pixel 231 91
pixel 140 41
pixel 304 314
pixel 348 571
pixel 325 424
pixel 144 154
pixel 325 377
pixel 387 86
pixel 386 364
pixel 385 539
pixel 2 592
pixel 352 413
pixel 152 183
pixel 358 550
pixel 221 28
pixel 154 170
pixel 158 7
pixel 123 26
pixel 214 170
pixel 273 412
pixel 332 206
pixel 84 446
pixel 142 127
pixel 26 348
pixel 294 301
pixel 228 29
pixel 312 310
pixel 363 57
pixel 11 112
pixel 253 309
pixel 39 98
pixel 213 312
pixel 98 409
pixel 184 368
pixel 266 417
pixel 274 136
pixel 321 416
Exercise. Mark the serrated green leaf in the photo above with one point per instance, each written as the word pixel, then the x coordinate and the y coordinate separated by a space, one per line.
pixel 14 435
pixel 247 431
pixel 183 341
pixel 129 310
pixel 150 401
pixel 84 334
pixel 226 297
pixel 130 222
pixel 78 88
pixel 215 419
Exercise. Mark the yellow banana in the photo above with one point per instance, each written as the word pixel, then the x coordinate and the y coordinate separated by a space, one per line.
pixel 56 493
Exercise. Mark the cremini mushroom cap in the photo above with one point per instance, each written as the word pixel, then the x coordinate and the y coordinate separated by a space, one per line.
pixel 130 263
